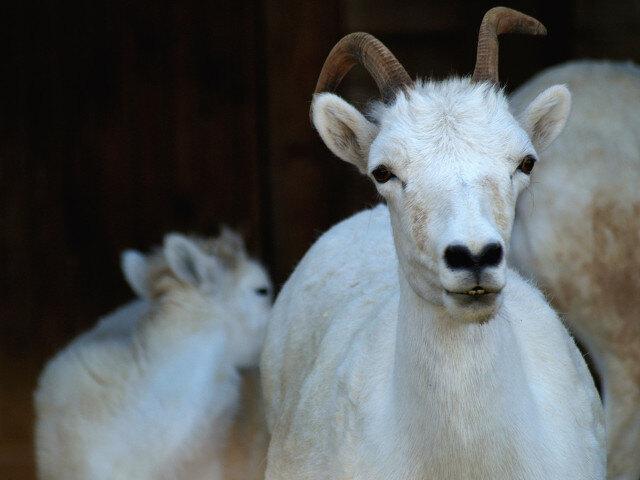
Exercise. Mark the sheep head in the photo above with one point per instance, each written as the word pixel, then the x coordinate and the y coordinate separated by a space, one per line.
pixel 449 157
pixel 208 284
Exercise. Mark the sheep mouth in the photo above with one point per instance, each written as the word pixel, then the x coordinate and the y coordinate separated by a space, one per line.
pixel 475 304
pixel 475 292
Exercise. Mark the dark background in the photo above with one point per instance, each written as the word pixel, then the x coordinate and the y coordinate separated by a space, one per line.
pixel 123 120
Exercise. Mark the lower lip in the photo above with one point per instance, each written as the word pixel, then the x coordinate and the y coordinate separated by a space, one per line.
pixel 470 299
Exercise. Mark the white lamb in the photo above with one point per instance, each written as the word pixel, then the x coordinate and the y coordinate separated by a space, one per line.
pixel 402 347
pixel 578 233
pixel 152 391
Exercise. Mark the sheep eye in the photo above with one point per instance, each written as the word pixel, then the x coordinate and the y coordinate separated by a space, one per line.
pixel 526 165
pixel 382 174
pixel 263 292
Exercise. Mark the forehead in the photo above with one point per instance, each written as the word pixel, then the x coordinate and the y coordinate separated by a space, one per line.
pixel 453 119
pixel 253 272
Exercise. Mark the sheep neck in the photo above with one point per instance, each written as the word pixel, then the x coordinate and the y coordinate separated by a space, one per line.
pixel 470 374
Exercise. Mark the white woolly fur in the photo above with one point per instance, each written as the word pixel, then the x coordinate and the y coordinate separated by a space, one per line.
pixel 377 363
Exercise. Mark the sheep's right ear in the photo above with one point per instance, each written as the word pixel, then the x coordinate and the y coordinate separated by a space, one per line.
pixel 346 132
pixel 134 267
pixel 189 262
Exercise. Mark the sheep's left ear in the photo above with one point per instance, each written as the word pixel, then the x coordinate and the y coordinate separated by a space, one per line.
pixel 189 263
pixel 546 116
pixel 232 240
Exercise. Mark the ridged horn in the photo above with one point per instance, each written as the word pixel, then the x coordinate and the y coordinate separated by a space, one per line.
pixel 495 22
pixel 363 48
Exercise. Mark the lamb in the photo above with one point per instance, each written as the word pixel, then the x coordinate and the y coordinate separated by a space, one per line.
pixel 402 346
pixel 152 391
pixel 577 233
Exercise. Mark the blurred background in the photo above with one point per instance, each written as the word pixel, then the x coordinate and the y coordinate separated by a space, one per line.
pixel 123 120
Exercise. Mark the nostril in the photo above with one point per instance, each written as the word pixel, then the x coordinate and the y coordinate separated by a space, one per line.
pixel 491 255
pixel 458 256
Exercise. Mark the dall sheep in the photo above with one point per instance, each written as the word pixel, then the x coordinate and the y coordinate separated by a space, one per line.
pixel 153 390
pixel 402 346
pixel 577 232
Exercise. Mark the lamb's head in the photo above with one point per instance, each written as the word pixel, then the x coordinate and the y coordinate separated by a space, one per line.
pixel 449 157
pixel 213 282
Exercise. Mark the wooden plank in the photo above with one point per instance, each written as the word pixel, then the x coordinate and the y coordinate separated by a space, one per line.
pixel 120 131
pixel 298 36
pixel 607 30
pixel 382 17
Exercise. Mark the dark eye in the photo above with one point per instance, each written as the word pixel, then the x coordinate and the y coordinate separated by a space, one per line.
pixel 526 165
pixel 382 174
pixel 263 292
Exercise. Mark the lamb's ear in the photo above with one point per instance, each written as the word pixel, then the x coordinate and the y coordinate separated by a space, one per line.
pixel 232 239
pixel 346 132
pixel 135 269
pixel 189 263
pixel 229 247
pixel 546 116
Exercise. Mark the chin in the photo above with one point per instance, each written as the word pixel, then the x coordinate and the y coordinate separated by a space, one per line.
pixel 472 309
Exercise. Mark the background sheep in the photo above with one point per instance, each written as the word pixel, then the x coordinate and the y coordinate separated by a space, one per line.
pixel 152 391
pixel 577 232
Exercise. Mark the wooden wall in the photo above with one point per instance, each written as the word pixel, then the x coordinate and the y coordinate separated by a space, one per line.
pixel 122 120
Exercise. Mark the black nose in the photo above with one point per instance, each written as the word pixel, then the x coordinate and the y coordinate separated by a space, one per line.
pixel 460 257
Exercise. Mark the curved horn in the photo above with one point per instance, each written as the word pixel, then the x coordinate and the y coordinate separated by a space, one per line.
pixel 496 21
pixel 367 50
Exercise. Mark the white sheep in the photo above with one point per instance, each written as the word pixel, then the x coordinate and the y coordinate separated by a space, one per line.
pixel 578 233
pixel 152 391
pixel 402 346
